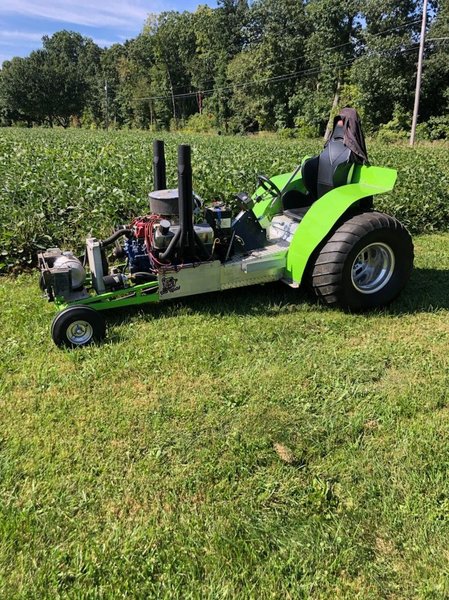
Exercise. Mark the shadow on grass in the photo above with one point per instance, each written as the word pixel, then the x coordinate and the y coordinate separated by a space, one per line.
pixel 427 291
pixel 264 300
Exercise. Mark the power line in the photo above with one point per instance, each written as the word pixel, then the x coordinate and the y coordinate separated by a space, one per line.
pixel 409 24
pixel 342 45
pixel 275 79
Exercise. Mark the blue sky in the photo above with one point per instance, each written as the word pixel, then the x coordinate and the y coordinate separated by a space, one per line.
pixel 24 22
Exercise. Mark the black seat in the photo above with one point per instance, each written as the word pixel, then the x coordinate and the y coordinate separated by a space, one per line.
pixel 320 174
pixel 332 168
pixel 335 163
pixel 294 199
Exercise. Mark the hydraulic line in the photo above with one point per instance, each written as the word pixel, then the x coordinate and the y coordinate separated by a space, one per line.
pixel 115 236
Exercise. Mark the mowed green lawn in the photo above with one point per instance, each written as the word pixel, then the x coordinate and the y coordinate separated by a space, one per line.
pixel 239 445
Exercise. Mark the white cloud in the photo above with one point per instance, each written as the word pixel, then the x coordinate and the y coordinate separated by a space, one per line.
pixel 113 13
pixel 20 35
pixel 12 38
pixel 104 43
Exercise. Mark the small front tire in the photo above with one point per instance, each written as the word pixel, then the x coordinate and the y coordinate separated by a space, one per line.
pixel 78 326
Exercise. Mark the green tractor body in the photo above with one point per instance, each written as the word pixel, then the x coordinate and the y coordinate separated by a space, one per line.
pixel 324 213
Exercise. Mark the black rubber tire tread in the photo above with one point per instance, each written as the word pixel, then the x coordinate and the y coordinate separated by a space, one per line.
pixel 330 274
pixel 74 313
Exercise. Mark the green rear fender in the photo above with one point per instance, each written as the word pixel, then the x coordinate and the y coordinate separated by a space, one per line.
pixel 323 215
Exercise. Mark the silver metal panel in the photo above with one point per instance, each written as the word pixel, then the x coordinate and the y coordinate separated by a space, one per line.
pixel 190 280
pixel 203 230
pixel 273 256
pixel 261 266
pixel 95 264
pixel 282 228
pixel 242 279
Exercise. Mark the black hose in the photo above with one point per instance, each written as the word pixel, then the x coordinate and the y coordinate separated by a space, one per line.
pixel 143 275
pixel 115 236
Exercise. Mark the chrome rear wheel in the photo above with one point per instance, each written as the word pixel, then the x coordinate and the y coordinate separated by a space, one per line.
pixel 373 268
pixel 365 263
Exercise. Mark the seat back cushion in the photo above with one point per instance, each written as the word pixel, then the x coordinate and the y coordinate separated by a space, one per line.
pixel 309 172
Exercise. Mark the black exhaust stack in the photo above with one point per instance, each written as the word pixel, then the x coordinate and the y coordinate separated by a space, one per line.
pixel 185 191
pixel 159 171
pixel 185 238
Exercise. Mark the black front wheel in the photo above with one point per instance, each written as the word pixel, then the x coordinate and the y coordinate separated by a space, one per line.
pixel 364 264
pixel 78 326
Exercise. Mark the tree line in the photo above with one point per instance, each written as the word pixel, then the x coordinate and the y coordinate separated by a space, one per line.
pixel 241 67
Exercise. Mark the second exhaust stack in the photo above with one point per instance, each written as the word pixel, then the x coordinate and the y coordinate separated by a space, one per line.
pixel 159 169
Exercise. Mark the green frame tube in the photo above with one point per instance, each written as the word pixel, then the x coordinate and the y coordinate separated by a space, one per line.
pixel 146 293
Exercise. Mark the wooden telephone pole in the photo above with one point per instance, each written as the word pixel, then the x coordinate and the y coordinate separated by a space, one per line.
pixel 106 105
pixel 419 73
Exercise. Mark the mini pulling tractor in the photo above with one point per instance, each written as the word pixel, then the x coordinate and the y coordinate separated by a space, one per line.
pixel 314 227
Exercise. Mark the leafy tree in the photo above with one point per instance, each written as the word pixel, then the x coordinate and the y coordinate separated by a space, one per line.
pixel 249 102
pixel 384 72
pixel 435 84
pixel 265 64
pixel 51 84
pixel 24 82
pixel 329 49
pixel 174 45
pixel 69 61
pixel 219 36
pixel 109 76
pixel 281 29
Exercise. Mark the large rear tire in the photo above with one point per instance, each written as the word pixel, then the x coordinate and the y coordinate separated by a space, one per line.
pixel 365 263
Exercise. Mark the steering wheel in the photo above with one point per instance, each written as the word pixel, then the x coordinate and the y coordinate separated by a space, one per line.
pixel 269 186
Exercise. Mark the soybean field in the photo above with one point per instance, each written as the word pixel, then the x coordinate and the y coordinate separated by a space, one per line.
pixel 56 186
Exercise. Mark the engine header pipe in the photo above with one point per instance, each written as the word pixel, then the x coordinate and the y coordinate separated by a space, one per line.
pixel 159 169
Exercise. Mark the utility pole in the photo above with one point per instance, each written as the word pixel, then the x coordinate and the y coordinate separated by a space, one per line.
pixel 419 73
pixel 106 98
pixel 199 99
pixel 172 94
pixel 173 103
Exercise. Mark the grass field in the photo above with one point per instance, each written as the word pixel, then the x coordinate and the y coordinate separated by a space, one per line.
pixel 239 445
